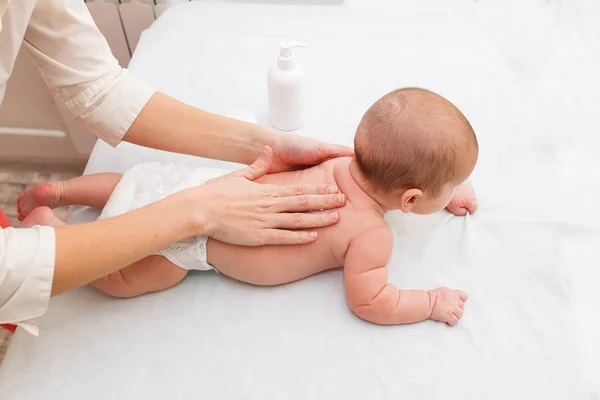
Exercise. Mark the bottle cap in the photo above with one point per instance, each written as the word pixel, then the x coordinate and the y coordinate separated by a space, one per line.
pixel 288 45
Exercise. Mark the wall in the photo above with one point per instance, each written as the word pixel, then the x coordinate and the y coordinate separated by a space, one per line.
pixel 31 125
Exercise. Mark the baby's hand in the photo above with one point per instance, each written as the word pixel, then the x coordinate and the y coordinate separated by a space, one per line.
pixel 447 305
pixel 463 201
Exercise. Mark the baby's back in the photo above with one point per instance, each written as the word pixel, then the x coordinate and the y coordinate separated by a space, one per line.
pixel 272 265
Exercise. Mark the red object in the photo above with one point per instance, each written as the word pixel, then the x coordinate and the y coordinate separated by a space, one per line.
pixel 9 327
pixel 5 223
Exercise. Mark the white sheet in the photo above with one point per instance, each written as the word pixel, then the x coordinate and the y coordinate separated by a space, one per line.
pixel 524 73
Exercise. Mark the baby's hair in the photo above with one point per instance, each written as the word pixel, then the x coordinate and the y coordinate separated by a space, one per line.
pixel 414 138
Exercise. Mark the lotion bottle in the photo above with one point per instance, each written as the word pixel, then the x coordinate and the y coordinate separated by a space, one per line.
pixel 285 85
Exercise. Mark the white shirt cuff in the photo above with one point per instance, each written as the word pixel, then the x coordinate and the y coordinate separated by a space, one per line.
pixel 120 97
pixel 27 258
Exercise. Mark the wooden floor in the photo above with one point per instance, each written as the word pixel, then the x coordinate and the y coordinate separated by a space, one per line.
pixel 14 178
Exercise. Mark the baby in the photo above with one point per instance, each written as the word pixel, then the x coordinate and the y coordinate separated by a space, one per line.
pixel 413 151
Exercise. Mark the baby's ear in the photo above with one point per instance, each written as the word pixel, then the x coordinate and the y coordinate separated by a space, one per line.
pixel 409 199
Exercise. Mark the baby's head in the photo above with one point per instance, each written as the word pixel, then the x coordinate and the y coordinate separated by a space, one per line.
pixel 413 147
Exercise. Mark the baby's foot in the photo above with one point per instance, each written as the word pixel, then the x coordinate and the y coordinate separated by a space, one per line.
pixel 45 194
pixel 41 216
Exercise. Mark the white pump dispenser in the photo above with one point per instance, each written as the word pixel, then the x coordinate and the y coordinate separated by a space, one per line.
pixel 285 84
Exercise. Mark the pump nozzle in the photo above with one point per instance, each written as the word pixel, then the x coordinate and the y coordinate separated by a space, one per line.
pixel 288 45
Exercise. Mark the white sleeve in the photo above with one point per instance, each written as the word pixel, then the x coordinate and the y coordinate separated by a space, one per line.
pixel 27 259
pixel 76 63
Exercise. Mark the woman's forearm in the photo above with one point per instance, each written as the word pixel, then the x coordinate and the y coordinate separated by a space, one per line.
pixel 89 251
pixel 168 124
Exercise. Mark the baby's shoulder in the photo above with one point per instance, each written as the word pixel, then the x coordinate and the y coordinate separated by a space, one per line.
pixel 376 228
pixel 372 245
pixel 370 226
pixel 375 244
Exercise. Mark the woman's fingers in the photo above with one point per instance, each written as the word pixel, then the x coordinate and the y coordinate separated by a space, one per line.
pixel 339 151
pixel 258 168
pixel 307 202
pixel 297 190
pixel 303 220
pixel 277 236
pixel 239 211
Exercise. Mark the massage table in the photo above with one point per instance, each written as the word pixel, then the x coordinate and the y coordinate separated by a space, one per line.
pixel 525 73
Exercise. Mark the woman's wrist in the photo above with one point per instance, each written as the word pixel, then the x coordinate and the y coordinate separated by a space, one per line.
pixel 259 138
pixel 191 211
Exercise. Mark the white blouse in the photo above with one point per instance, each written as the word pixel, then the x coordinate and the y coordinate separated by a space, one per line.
pixel 76 63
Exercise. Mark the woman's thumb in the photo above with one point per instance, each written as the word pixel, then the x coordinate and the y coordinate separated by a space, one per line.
pixel 260 167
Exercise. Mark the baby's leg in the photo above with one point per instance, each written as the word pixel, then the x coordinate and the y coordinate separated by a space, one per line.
pixel 88 190
pixel 41 216
pixel 150 274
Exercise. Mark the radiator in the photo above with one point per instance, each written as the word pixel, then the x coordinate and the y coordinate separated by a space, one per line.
pixel 123 21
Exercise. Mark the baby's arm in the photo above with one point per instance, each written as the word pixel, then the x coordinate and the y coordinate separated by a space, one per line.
pixel 371 298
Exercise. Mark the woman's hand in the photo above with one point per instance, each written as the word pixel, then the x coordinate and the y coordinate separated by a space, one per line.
pixel 239 211
pixel 293 151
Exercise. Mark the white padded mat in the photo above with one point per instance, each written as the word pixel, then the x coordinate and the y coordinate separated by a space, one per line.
pixel 525 73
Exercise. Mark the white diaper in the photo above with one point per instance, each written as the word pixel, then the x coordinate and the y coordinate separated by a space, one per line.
pixel 149 182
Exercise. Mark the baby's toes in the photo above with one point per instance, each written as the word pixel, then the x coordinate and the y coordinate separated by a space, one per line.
pixel 20 203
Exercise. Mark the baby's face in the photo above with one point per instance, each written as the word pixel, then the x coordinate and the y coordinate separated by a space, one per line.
pixel 428 204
